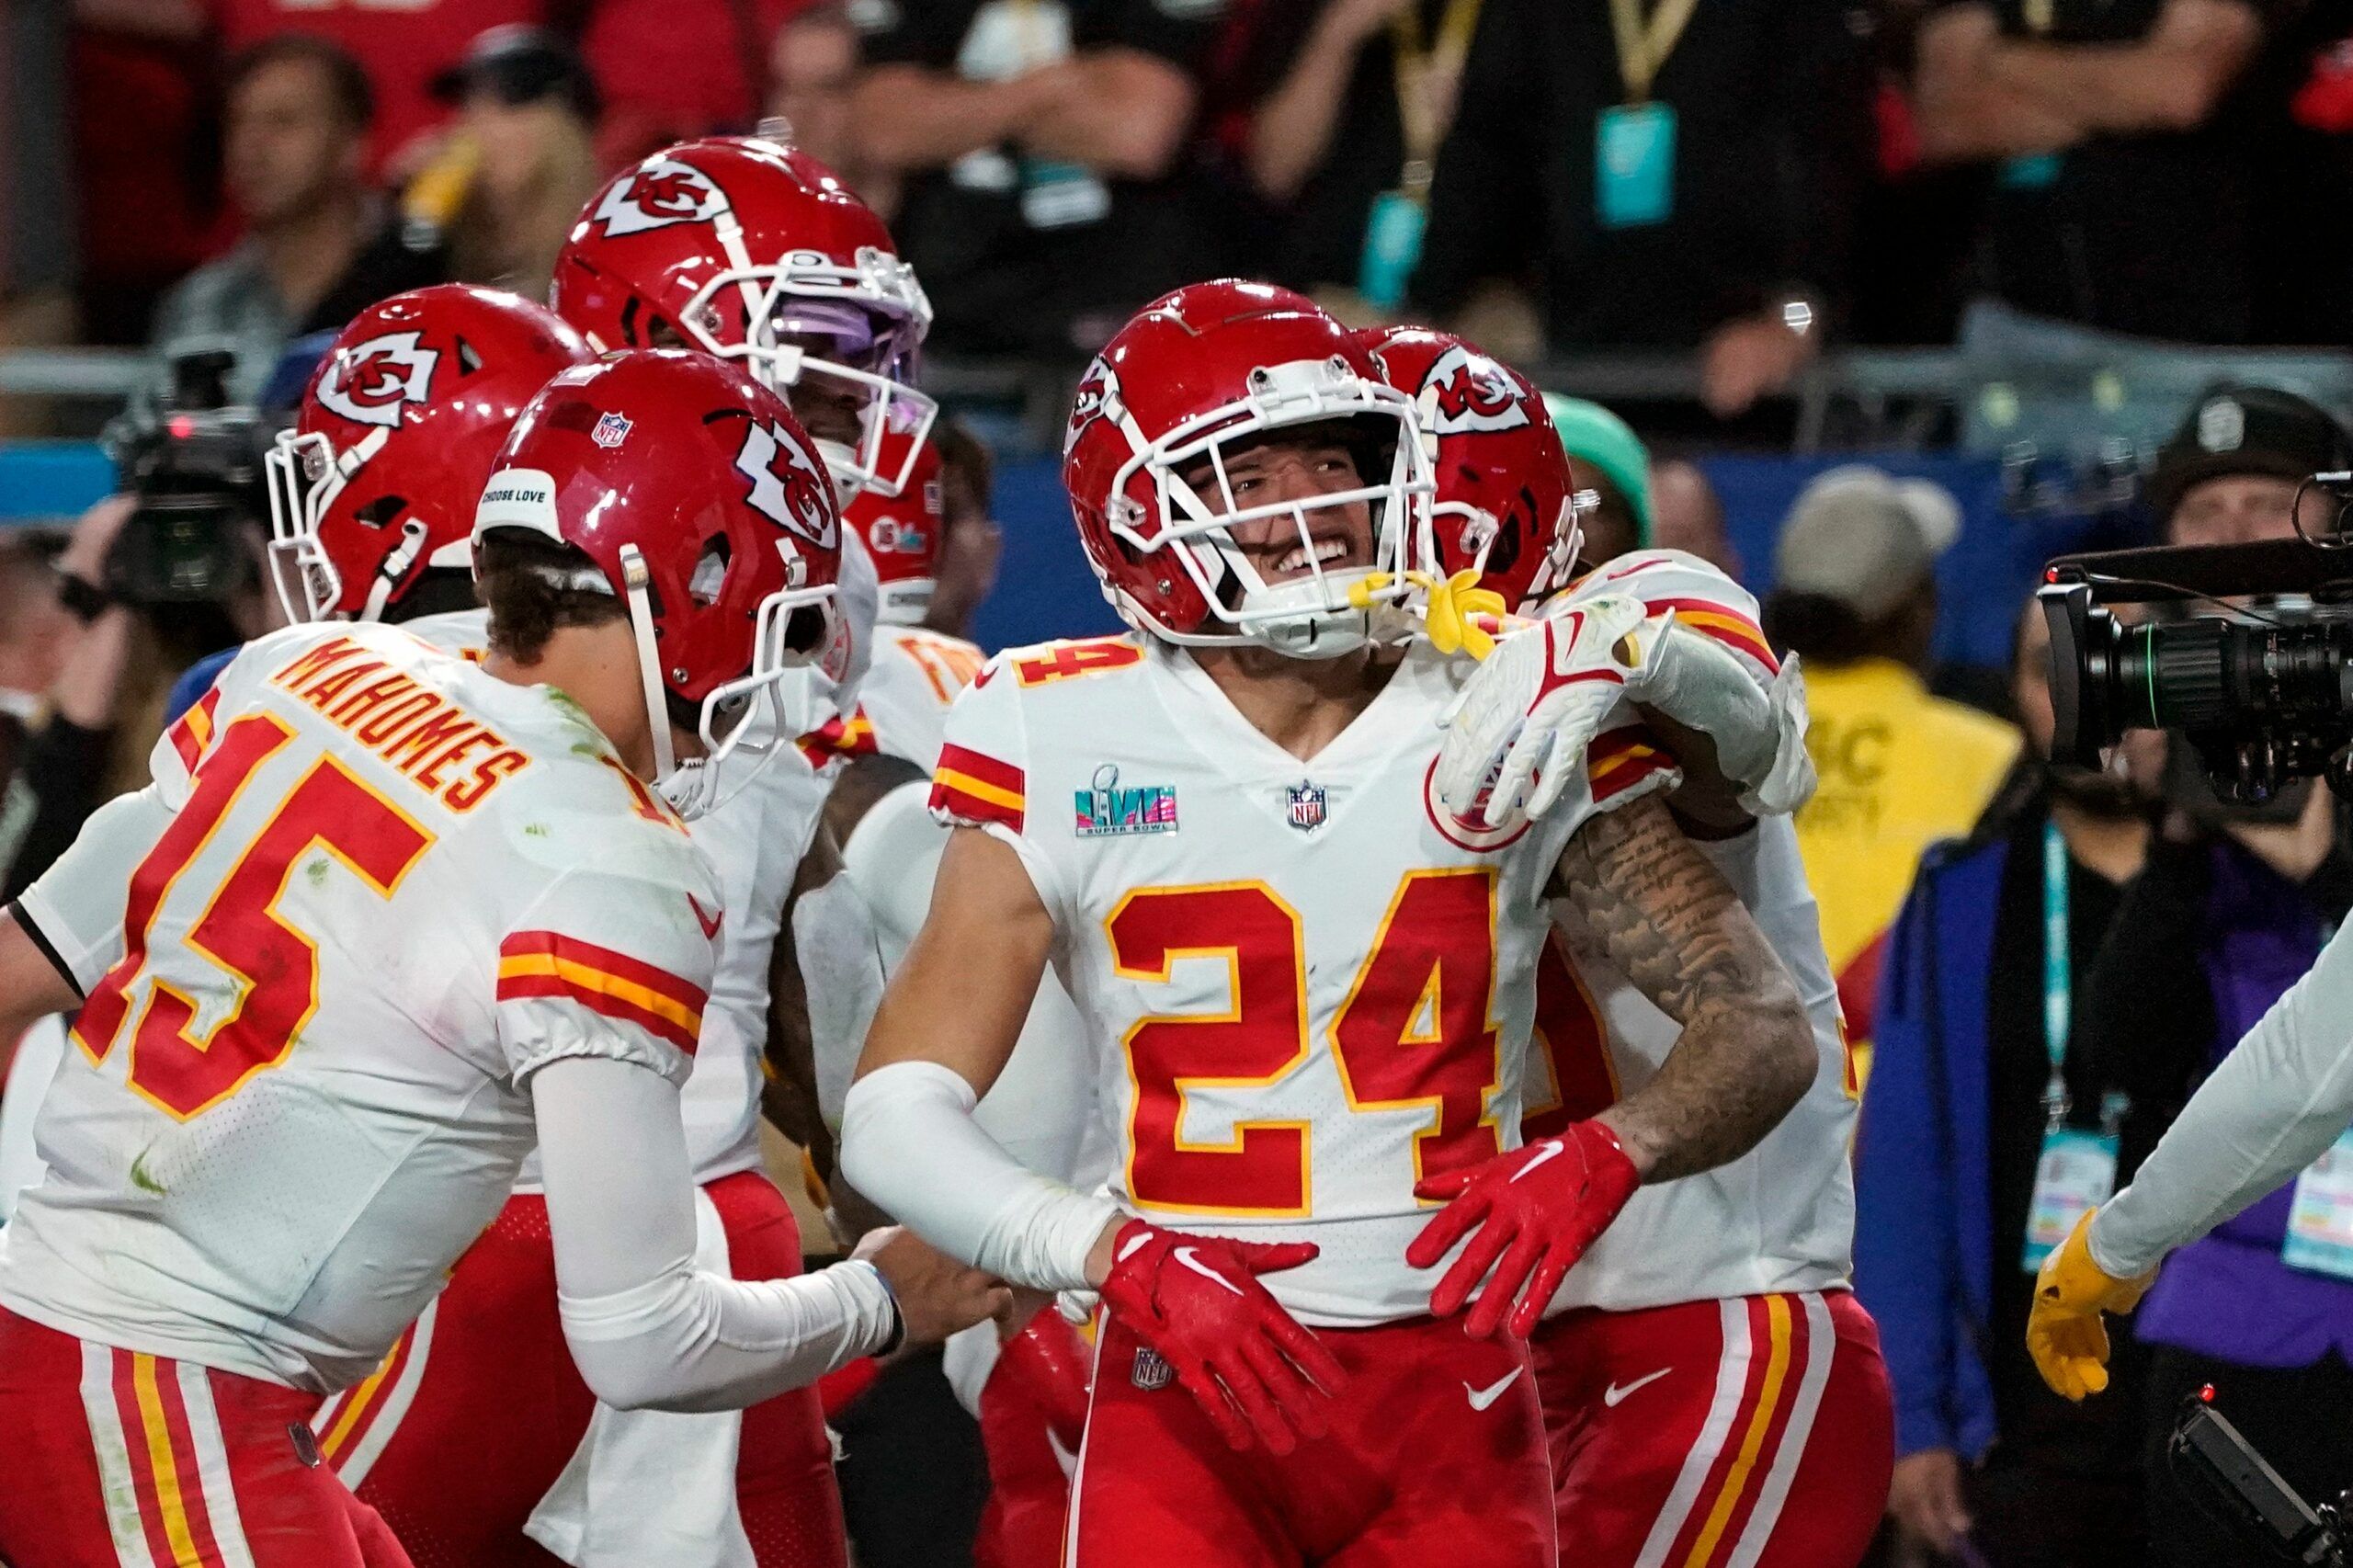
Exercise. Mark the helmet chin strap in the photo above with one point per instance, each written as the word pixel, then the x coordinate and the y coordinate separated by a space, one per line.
pixel 635 580
pixel 395 568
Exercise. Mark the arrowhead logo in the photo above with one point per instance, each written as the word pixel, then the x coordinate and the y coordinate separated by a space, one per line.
pixel 787 485
pixel 373 382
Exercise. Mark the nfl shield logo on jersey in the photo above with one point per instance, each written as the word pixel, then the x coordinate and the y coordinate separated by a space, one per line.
pixel 1151 1371
pixel 1305 803
pixel 610 431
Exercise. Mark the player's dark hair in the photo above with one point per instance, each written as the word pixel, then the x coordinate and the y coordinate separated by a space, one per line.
pixel 522 577
pixel 962 454
pixel 355 99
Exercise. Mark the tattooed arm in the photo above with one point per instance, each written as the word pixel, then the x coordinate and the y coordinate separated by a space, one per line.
pixel 1635 888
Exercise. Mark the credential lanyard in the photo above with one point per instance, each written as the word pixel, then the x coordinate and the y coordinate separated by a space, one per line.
pixel 1417 66
pixel 2058 977
pixel 1643 45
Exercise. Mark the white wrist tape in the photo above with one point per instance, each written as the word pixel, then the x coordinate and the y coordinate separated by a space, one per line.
pixel 910 1144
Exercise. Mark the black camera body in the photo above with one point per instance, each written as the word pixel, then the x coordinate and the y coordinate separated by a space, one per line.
pixel 2237 1488
pixel 2263 692
pixel 194 469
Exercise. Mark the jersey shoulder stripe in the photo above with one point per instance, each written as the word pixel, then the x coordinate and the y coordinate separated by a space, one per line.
pixel 1722 624
pixel 971 786
pixel 548 963
pixel 191 732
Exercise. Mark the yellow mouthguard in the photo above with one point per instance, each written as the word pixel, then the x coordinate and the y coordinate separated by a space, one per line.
pixel 1457 614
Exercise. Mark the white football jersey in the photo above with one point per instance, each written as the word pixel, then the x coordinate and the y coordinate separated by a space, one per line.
pixel 381 888
pixel 1305 985
pixel 906 695
pixel 1783 1216
pixel 754 841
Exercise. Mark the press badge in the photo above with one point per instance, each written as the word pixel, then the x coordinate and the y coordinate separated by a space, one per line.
pixel 1633 175
pixel 2319 1216
pixel 1392 248
pixel 1062 196
pixel 2030 171
pixel 2076 1176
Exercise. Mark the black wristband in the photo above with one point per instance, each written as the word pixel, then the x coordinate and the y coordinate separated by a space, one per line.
pixel 83 598
pixel 40 939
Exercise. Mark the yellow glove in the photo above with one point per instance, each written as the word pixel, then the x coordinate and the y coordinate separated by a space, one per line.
pixel 2063 1332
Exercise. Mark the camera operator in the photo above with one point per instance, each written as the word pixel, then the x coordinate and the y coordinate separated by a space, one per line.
pixel 2235 904
pixel 158 577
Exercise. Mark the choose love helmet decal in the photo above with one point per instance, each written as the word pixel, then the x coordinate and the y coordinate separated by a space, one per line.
pixel 697 497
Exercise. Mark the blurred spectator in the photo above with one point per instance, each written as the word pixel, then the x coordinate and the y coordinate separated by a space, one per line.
pixel 36 205
pixel 399 46
pixel 1679 177
pixel 1351 100
pixel 1608 458
pixel 1967 1048
pixel 106 701
pixel 1041 145
pixel 1689 516
pixel 524 147
pixel 1856 598
pixel 671 70
pixel 971 540
pixel 2119 149
pixel 813 68
pixel 35 635
pixel 2231 911
pixel 319 245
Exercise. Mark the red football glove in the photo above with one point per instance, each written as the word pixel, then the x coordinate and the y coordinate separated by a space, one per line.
pixel 1197 1300
pixel 1536 1209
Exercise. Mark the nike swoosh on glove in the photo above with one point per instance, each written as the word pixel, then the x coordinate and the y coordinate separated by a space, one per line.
pixel 1528 712
pixel 1247 1363
pixel 1534 1211
pixel 2063 1332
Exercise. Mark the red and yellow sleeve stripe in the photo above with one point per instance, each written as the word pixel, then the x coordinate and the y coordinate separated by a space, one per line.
pixel 972 786
pixel 192 731
pixel 836 738
pixel 1621 760
pixel 1724 624
pixel 546 963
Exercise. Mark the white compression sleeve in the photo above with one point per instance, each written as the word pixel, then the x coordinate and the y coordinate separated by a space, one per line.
pixel 647 1327
pixel 910 1144
pixel 2280 1098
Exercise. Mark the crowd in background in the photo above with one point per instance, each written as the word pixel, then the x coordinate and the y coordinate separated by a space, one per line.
pixel 1741 180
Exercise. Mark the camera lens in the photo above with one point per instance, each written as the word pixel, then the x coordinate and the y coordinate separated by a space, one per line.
pixel 2175 677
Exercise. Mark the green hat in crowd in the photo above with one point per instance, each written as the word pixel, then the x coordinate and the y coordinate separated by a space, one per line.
pixel 1591 434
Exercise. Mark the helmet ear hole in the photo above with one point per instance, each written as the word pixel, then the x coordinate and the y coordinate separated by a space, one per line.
pixel 804 629
pixel 382 511
pixel 468 361
pixel 709 575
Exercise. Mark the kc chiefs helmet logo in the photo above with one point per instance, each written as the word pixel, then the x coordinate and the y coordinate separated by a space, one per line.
pixel 1468 391
pixel 656 194
pixel 787 485
pixel 1098 393
pixel 372 382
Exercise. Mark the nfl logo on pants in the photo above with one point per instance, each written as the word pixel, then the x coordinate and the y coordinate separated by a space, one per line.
pixel 1151 1371
pixel 1305 806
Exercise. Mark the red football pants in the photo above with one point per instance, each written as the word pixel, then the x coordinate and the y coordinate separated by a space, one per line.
pixel 473 1415
pixel 1751 1432
pixel 1436 1455
pixel 114 1456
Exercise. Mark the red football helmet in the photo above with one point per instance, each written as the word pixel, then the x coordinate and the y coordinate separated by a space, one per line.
pixel 754 251
pixel 1197 377
pixel 376 481
pixel 901 535
pixel 701 501
pixel 1506 500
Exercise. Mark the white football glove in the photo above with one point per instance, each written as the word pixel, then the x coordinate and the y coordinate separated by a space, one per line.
pixel 1516 737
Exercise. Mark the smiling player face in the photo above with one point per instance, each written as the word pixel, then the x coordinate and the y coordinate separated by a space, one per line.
pixel 1297 469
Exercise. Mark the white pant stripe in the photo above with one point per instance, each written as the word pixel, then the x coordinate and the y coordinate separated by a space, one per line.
pixel 1078 1476
pixel 1821 1350
pixel 1724 1408
pixel 118 1490
pixel 213 1466
pixel 396 1401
